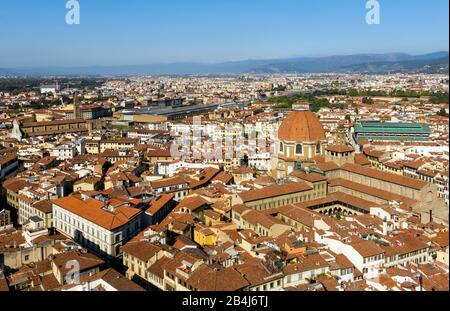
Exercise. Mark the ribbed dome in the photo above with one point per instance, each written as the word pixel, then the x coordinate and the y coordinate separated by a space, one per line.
pixel 301 126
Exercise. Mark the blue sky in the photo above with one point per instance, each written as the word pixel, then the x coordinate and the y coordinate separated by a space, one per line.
pixel 118 32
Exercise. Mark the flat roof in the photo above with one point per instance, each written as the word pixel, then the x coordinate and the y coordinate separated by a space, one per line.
pixel 391 127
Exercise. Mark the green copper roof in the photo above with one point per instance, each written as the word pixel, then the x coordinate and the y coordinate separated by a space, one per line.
pixel 392 128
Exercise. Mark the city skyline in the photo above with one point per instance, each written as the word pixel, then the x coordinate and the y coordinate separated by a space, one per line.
pixel 201 32
pixel 224 150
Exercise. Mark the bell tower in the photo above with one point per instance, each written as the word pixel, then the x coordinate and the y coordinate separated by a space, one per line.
pixel 76 107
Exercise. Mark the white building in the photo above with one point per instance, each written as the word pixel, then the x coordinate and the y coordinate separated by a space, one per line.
pixel 365 255
pixel 95 224
pixel 261 162
pixel 50 88
pixel 65 152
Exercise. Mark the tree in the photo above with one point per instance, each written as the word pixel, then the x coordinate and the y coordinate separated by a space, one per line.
pixel 439 98
pixel 367 101
pixel 442 113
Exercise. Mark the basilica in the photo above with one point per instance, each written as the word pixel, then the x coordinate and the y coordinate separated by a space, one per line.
pixel 301 137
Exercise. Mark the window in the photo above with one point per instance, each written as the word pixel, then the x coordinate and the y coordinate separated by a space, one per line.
pixel 281 147
pixel 318 149
pixel 298 149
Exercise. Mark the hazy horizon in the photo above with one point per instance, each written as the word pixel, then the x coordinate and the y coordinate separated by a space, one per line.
pixel 225 61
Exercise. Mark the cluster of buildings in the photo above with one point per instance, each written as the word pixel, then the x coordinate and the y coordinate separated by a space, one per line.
pixel 252 198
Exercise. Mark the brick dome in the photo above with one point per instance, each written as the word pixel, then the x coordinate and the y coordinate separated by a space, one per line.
pixel 301 126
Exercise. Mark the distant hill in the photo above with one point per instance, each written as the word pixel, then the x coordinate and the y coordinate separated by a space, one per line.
pixel 363 63
pixel 360 63
pixel 439 65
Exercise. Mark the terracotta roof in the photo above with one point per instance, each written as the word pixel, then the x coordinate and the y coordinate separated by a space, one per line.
pixel 142 250
pixel 298 213
pixel 327 166
pixel 192 203
pixel 256 217
pixel 441 239
pixel 240 208
pixel 158 203
pixel 339 197
pixel 223 177
pixel 373 152
pixel 366 248
pixel 205 278
pixel 93 210
pixel 274 191
pixel 361 159
pixel 341 262
pixel 340 148
pixel 301 126
pixel 167 182
pixel 212 214
pixel 388 177
pixel 306 263
pixel 54 122
pixel 328 282
pixel 49 282
pixel 15 184
pixel 44 206
pixel 160 153
pixel 157 268
pixel 86 261
pixel 311 177
pixel 378 193
pixel 256 273
pixel 413 164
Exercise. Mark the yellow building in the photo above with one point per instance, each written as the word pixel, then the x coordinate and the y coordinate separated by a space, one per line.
pixel 204 235
pixel 212 218
pixel 12 187
pixel 86 184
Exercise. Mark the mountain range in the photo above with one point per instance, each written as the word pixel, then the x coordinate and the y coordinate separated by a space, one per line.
pixel 437 62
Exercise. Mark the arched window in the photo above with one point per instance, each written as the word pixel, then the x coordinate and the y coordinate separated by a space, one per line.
pixel 281 146
pixel 318 149
pixel 299 149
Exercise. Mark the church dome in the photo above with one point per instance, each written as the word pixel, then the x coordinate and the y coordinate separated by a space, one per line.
pixel 301 126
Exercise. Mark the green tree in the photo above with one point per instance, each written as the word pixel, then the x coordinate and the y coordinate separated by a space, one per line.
pixel 367 101
pixel 442 113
